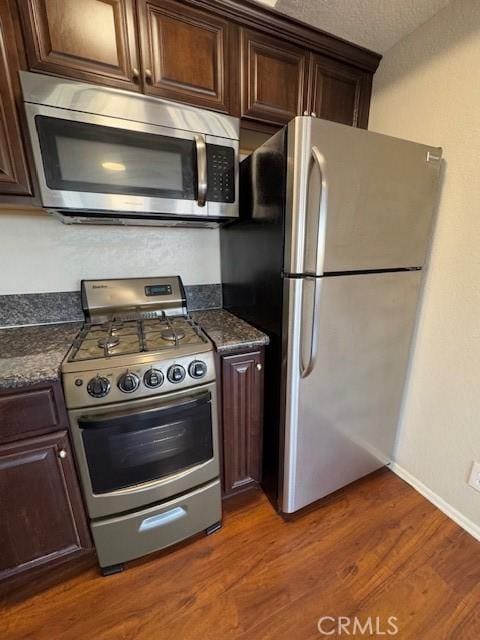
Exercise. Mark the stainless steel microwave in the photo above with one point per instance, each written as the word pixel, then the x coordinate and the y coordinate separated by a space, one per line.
pixel 109 156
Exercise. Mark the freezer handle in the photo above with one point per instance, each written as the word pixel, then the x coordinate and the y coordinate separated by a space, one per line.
pixel 321 219
pixel 307 368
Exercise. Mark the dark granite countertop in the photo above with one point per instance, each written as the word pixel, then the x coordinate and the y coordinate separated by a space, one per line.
pixel 227 332
pixel 34 354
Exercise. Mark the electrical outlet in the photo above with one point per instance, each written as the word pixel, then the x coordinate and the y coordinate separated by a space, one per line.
pixel 474 479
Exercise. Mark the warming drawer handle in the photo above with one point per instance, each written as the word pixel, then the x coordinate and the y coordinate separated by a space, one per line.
pixel 201 149
pixel 162 519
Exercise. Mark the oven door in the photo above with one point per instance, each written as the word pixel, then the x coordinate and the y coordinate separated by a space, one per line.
pixel 140 452
pixel 99 164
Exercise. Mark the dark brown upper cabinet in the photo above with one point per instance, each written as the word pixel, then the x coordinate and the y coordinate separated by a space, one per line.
pixel 91 40
pixel 185 53
pixel 273 78
pixel 338 91
pixel 14 176
pixel 232 56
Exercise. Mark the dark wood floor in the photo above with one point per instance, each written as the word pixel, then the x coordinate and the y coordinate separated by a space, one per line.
pixel 377 548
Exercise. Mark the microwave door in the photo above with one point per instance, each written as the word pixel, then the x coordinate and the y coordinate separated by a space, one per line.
pixel 96 163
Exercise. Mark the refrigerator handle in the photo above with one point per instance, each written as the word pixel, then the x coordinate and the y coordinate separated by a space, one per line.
pixel 321 222
pixel 306 369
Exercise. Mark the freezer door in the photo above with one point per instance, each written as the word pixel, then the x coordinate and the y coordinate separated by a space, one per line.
pixel 356 200
pixel 347 353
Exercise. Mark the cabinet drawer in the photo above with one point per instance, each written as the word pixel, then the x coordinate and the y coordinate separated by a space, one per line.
pixel 31 410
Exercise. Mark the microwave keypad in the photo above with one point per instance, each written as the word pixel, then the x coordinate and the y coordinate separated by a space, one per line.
pixel 220 172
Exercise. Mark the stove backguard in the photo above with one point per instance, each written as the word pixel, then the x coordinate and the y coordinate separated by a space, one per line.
pixel 133 298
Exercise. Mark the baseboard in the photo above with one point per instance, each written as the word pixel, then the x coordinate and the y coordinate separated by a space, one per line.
pixel 440 503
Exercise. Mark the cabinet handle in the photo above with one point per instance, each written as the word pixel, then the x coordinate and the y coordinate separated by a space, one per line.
pixel 259 366
pixel 62 454
pixel 148 75
pixel 135 73
pixel 313 114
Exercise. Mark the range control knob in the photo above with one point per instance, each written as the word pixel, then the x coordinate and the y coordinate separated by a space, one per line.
pixel 197 369
pixel 128 382
pixel 98 387
pixel 153 378
pixel 176 373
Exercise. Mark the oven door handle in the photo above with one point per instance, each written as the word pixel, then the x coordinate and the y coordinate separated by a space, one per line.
pixel 105 420
pixel 201 150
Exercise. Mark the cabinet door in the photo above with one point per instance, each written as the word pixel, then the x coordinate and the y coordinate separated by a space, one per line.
pixel 14 178
pixel 338 91
pixel 91 40
pixel 41 508
pixel 242 408
pixel 273 78
pixel 184 53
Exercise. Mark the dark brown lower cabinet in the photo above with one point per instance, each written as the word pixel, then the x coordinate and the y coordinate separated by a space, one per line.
pixel 242 418
pixel 42 512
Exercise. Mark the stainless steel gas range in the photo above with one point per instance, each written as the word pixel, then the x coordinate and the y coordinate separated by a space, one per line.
pixel 140 390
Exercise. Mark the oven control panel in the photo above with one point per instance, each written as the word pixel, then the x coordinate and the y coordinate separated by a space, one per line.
pixel 115 384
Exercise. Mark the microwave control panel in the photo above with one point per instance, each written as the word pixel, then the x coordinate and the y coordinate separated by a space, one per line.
pixel 220 173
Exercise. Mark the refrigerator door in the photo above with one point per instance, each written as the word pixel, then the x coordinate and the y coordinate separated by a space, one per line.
pixel 346 354
pixel 356 200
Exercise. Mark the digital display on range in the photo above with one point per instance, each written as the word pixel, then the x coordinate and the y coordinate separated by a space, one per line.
pixel 158 290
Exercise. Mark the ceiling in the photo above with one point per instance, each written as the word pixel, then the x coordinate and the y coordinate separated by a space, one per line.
pixel 374 24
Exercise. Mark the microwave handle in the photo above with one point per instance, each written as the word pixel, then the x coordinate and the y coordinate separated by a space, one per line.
pixel 201 149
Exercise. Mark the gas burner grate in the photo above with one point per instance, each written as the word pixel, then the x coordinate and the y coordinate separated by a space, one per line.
pixel 141 335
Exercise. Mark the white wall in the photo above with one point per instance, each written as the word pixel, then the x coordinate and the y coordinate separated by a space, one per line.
pixel 40 254
pixel 428 90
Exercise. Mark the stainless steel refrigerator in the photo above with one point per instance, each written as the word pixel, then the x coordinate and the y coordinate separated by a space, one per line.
pixel 327 258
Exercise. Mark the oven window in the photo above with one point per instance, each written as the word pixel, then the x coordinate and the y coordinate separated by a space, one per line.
pixel 79 156
pixel 133 447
